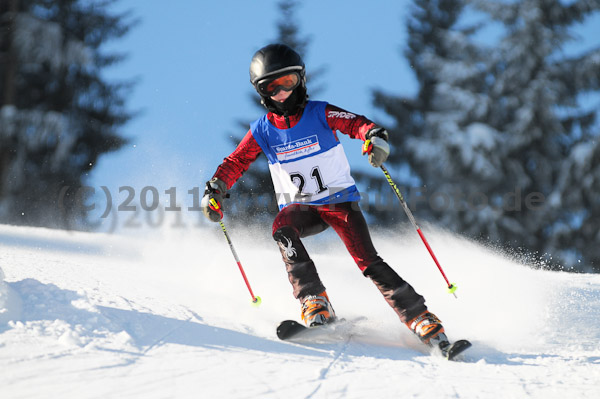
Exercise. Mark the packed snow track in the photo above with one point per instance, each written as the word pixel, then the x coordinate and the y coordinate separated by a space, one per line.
pixel 166 314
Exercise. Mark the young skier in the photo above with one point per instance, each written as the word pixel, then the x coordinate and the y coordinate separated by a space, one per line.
pixel 311 177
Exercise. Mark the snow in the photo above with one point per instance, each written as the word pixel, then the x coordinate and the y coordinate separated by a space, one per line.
pixel 165 314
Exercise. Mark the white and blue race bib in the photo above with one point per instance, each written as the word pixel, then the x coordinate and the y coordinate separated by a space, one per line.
pixel 307 162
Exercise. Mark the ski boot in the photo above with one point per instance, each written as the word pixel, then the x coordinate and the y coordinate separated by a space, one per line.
pixel 429 329
pixel 316 310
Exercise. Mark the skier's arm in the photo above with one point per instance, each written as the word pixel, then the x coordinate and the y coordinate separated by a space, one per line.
pixel 357 126
pixel 238 161
pixel 226 175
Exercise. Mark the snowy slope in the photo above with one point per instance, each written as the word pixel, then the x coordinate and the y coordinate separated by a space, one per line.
pixel 165 314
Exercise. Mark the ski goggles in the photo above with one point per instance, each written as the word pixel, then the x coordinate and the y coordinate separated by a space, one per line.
pixel 271 86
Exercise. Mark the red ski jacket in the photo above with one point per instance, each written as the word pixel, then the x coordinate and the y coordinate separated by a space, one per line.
pixel 233 166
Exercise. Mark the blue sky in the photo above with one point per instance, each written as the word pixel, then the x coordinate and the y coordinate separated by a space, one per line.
pixel 191 60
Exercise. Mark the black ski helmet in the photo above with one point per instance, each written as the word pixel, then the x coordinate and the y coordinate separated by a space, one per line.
pixel 279 59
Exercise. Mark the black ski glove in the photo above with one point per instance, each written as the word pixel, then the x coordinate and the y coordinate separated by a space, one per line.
pixel 212 202
pixel 376 146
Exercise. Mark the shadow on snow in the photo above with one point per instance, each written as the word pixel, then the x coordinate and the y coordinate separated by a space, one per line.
pixel 150 331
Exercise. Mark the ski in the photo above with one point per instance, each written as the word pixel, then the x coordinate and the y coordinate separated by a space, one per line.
pixel 454 349
pixel 292 330
pixel 340 329
pixel 289 328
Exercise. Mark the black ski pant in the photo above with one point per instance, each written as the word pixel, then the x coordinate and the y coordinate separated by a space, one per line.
pixel 298 221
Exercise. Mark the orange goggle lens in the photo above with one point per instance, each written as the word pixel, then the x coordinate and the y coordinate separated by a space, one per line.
pixel 270 87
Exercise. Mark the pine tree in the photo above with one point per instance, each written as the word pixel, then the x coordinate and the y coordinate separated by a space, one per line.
pixel 58 114
pixel 445 64
pixel 497 132
pixel 450 147
pixel 550 137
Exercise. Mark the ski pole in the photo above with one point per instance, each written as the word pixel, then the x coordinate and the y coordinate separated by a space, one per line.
pixel 451 287
pixel 256 301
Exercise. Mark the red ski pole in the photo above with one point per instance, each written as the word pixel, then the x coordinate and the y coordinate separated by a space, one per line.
pixel 256 301
pixel 451 287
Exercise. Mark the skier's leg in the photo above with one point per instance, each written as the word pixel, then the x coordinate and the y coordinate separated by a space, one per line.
pixel 349 223
pixel 292 223
pixel 399 294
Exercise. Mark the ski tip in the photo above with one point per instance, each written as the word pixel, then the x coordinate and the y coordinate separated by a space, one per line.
pixel 288 328
pixel 456 349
